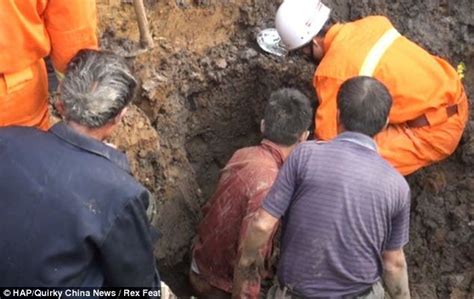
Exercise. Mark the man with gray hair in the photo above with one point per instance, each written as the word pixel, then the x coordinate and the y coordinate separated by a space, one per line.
pixel 71 214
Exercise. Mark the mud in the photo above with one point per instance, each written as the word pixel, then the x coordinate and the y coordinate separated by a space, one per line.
pixel 204 86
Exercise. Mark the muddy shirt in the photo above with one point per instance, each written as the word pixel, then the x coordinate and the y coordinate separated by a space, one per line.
pixel 71 214
pixel 342 206
pixel 242 186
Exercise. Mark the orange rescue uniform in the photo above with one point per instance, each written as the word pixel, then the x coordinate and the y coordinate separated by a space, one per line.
pixel 29 31
pixel 422 86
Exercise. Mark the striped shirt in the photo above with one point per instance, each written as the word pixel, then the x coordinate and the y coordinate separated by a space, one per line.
pixel 342 206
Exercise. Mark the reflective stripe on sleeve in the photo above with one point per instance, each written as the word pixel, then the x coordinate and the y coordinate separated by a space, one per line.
pixel 375 54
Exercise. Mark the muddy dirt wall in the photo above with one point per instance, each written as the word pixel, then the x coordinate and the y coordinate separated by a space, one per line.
pixel 205 84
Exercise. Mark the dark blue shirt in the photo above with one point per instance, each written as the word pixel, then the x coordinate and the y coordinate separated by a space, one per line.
pixel 343 205
pixel 71 214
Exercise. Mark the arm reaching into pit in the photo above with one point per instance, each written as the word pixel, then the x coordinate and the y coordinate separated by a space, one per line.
pixel 247 272
pixel 395 274
pixel 261 228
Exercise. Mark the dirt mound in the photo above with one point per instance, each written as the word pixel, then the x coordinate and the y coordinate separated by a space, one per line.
pixel 203 90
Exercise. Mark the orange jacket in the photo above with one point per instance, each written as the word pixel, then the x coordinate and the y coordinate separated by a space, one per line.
pixel 29 31
pixel 32 29
pixel 419 82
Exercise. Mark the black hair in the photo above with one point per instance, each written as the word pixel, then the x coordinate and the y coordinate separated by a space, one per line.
pixel 287 115
pixel 364 104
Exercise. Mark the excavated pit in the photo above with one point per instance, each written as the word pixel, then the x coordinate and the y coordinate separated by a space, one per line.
pixel 204 87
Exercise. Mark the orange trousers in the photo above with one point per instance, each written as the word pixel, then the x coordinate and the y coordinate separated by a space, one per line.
pixel 24 97
pixel 409 149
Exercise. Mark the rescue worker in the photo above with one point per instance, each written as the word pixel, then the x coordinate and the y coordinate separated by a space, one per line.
pixel 430 107
pixel 31 30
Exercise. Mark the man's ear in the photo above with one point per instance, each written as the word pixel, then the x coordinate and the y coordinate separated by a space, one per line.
pixel 262 126
pixel 318 47
pixel 59 105
pixel 340 126
pixel 119 116
pixel 304 136
pixel 318 42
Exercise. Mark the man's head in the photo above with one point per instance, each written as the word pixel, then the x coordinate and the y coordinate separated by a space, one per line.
pixel 314 50
pixel 96 89
pixel 364 104
pixel 287 117
pixel 300 25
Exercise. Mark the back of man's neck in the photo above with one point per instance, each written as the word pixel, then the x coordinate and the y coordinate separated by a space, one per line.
pixel 285 150
pixel 94 133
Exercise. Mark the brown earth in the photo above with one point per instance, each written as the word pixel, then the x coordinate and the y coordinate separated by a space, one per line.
pixel 204 86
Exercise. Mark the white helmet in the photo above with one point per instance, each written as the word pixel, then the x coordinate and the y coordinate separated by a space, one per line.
pixel 298 21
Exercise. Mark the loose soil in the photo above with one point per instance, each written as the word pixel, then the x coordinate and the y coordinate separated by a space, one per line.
pixel 203 89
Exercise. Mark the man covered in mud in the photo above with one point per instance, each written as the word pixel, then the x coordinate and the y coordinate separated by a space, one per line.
pixel 430 107
pixel 345 211
pixel 243 184
pixel 71 214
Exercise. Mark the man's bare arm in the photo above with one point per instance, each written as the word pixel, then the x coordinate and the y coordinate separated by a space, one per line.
pixel 251 261
pixel 395 274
